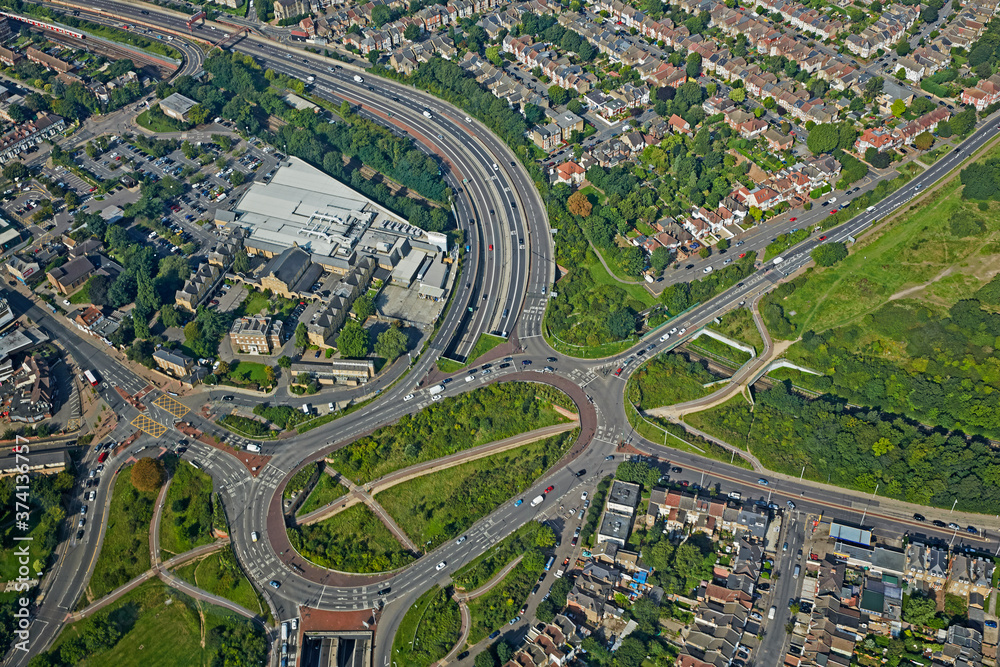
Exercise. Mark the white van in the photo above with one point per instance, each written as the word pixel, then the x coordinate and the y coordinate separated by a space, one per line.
pixel 470 378
pixel 664 337
pixel 253 447
pixel 770 613
pixel 358 79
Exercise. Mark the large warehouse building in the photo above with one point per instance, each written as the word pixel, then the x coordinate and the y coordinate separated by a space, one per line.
pixel 305 208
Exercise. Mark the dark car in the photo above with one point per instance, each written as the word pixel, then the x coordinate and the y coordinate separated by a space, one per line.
pixel 79 534
pixel 971 530
pixel 939 524
pixel 495 634
pixel 919 517
pixel 551 360
pixel 227 398
pixel 463 655
pixel 676 469
pixel 581 473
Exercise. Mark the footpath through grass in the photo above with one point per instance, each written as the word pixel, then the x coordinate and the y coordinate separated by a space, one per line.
pixel 158 625
pixel 354 540
pixel 487 414
pixel 125 551
pixel 220 574
pixel 429 629
pixel 914 249
pixel 442 505
pixel 187 511
pixel 326 490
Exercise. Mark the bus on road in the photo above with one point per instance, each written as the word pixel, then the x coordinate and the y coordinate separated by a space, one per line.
pixel 90 378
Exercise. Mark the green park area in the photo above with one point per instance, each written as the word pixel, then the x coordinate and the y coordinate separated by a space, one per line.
pixel 220 574
pixel 667 379
pixel 354 540
pixel 125 549
pixel 429 629
pixel 487 414
pixel 441 506
pixel 157 625
pixel 187 511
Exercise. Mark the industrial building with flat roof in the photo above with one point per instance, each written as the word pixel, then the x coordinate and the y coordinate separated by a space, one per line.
pixel 303 207
pixel 177 106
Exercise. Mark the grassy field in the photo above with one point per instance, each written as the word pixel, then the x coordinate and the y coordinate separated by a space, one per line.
pixel 429 629
pixel 934 154
pixel 82 295
pixel 441 506
pixel 187 511
pixel 738 325
pixel 163 627
pixel 155 120
pixel 667 379
pixel 254 303
pixel 220 575
pixel 354 540
pixel 125 551
pixel 493 610
pixel 246 372
pixel 600 276
pixel 916 249
pixel 326 490
pixel 490 413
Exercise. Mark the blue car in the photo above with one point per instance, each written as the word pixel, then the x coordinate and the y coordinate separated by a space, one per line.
pixel 518 502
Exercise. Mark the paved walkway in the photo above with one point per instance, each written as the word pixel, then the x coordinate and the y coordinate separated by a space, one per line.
pixel 740 380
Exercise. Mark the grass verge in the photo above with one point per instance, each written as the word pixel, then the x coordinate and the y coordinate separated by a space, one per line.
pixel 442 505
pixel 738 324
pixel 125 550
pixel 487 565
pixel 429 629
pixel 187 510
pixel 327 490
pixel 220 574
pixel 487 414
pixel 667 379
pixel 502 603
pixel 354 540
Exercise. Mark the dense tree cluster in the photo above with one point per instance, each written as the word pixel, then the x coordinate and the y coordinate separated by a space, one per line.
pixel 829 253
pixel 863 448
pixel 240 91
pixel 981 180
pixel 547 28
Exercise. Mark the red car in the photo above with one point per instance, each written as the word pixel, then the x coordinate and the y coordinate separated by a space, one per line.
pixel 491 247
pixel 822 238
pixel 742 255
pixel 102 458
pixel 833 211
pixel 619 371
pixel 792 219
pixel 549 490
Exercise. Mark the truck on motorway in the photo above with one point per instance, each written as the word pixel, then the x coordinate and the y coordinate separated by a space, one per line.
pixel 537 501
pixel 778 260
pixel 437 389
pixel 358 78
pixel 284 631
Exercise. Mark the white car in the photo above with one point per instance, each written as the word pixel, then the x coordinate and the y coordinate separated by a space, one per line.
pixel 461 539
pixel 441 565
pixel 436 397
pixel 254 536
pixel 408 397
pixel 681 332
pixel 673 331
pixel 468 120
pixel 583 496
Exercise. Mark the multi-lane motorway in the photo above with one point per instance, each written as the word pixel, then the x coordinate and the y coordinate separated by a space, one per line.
pixel 506 288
